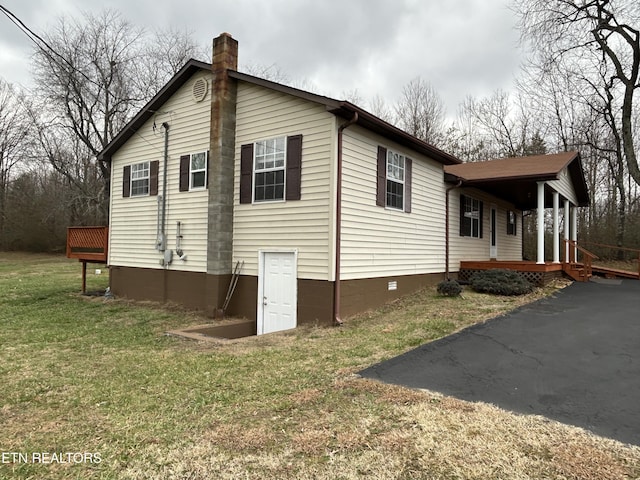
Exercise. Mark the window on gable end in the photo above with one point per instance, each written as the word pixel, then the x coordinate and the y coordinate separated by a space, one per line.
pixel 198 170
pixel 140 179
pixel 140 176
pixel 193 171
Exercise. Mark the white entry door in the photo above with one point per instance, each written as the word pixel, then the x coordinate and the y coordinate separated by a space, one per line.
pixel 277 292
pixel 493 250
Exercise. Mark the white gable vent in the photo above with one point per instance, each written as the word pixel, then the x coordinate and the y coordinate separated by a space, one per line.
pixel 199 89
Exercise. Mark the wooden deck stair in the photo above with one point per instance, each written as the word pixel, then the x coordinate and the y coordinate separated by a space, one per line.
pixel 577 271
pixel 582 272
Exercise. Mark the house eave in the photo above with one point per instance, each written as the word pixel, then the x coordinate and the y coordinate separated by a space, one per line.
pixel 192 66
pixel 367 120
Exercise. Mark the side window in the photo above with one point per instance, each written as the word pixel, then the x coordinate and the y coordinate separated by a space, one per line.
pixel 198 170
pixel 394 180
pixel 271 169
pixel 193 171
pixel 140 179
pixel 511 223
pixel 470 217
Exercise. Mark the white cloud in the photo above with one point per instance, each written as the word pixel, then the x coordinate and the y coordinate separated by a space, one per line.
pixel 372 46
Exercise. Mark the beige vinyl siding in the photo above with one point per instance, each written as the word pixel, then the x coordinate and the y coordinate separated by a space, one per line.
pixel 296 224
pixel 564 186
pixel 133 220
pixel 378 241
pixel 509 247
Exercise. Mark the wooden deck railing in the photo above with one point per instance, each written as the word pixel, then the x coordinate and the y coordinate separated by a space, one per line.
pixel 630 255
pixel 88 243
pixel 571 259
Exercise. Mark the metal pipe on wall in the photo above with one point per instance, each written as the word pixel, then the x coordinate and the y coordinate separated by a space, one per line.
pixel 336 284
pixel 162 236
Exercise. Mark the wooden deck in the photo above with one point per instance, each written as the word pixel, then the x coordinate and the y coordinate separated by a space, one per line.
pixel 88 245
pixel 536 273
pixel 542 273
pixel 523 266
pixel 615 272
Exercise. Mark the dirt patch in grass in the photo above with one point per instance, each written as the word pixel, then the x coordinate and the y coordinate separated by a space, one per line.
pixel 433 437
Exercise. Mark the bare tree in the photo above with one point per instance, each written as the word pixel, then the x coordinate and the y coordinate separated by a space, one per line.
pixel 163 55
pixel 15 137
pixel 420 111
pixel 584 33
pixel 464 140
pixel 581 98
pixel 502 123
pixel 379 107
pixel 95 74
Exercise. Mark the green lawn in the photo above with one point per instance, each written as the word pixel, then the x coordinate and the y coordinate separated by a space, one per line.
pixel 99 377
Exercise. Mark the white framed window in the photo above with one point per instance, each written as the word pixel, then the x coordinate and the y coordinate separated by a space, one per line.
pixel 269 170
pixel 198 170
pixel 140 179
pixel 395 180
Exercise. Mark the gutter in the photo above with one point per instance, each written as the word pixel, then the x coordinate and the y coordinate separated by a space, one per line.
pixel 446 228
pixel 336 285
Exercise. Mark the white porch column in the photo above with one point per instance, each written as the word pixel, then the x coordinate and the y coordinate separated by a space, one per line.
pixel 574 230
pixel 540 222
pixel 567 222
pixel 556 227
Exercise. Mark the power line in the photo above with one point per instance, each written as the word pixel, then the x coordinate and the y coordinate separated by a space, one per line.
pixel 41 43
pixel 47 50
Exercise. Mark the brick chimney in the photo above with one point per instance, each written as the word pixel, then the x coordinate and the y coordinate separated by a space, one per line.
pixel 221 170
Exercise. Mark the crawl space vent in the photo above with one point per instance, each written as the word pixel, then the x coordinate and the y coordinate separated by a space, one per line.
pixel 199 89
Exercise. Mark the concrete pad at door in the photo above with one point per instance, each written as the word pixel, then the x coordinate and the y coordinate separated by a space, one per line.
pixel 574 358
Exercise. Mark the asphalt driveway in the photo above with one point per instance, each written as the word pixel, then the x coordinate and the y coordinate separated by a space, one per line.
pixel 574 358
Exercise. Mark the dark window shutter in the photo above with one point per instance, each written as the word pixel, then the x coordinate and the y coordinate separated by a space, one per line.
pixel 185 161
pixel 480 220
pixel 206 176
pixel 381 189
pixel 246 172
pixel 154 167
pixel 294 167
pixel 126 181
pixel 408 166
pixel 463 219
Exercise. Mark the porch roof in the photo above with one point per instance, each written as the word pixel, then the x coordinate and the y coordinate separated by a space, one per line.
pixel 515 178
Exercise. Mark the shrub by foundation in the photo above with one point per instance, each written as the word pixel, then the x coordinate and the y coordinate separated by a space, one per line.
pixel 449 288
pixel 500 282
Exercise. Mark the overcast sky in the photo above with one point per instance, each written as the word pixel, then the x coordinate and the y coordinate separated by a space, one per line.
pixel 462 47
